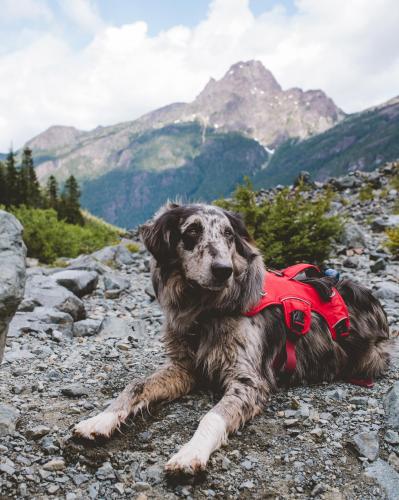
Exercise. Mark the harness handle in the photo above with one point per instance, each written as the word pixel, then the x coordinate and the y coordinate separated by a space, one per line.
pixel 292 271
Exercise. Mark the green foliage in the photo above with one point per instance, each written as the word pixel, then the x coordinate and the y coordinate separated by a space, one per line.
pixel 291 228
pixel 132 247
pixel 393 241
pixel 366 193
pixel 48 238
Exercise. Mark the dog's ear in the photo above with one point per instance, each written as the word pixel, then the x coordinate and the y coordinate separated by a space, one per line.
pixel 244 243
pixel 161 235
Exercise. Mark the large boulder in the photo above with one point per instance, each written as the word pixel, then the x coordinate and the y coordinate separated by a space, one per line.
pixel 12 272
pixel 79 282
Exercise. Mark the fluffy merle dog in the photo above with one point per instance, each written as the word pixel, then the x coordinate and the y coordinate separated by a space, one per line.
pixel 206 273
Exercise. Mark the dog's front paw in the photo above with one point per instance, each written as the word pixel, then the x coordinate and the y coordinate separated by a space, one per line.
pixel 189 460
pixel 101 425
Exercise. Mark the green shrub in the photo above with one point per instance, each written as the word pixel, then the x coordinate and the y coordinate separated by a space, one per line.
pixel 366 193
pixel 132 247
pixel 47 238
pixel 290 228
pixel 393 241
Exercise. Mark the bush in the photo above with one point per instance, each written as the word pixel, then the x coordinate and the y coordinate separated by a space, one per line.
pixel 366 193
pixel 393 241
pixel 289 229
pixel 47 238
pixel 132 247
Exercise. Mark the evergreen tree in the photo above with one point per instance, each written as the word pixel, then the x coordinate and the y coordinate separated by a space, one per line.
pixel 33 194
pixel 3 184
pixel 69 207
pixel 52 192
pixel 11 180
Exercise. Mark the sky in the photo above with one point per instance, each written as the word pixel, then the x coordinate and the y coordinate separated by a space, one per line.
pixel 85 63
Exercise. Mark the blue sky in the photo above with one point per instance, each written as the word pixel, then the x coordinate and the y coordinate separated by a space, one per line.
pixel 85 63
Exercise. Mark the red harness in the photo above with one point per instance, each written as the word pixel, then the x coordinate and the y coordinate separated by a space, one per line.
pixel 298 300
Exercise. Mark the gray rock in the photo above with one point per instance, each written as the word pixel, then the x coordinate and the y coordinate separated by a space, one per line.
pixel 38 432
pixel 12 272
pixel 154 474
pixel 113 281
pixel 391 406
pixel 42 319
pixel 87 263
pixel 86 327
pixel 115 328
pixel 366 445
pixel 77 281
pixel 386 477
pixel 353 236
pixel 338 394
pixel 106 255
pixel 8 419
pixel 392 437
pixel 378 265
pixel 74 391
pixel 351 262
pixel 387 290
pixel 383 223
pixel 123 256
pixel 48 293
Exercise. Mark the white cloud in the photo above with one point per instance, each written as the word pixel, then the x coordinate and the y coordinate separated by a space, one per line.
pixel 349 49
pixel 12 10
pixel 83 13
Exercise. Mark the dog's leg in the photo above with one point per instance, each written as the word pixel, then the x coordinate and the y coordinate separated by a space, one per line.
pixel 170 382
pixel 240 403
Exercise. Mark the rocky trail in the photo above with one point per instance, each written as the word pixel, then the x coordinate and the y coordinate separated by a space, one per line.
pixel 83 332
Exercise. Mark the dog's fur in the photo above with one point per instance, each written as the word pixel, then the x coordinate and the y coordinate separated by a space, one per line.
pixel 208 338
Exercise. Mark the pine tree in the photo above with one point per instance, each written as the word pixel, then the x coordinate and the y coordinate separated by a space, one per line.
pixel 33 194
pixel 11 180
pixel 69 207
pixel 3 184
pixel 52 193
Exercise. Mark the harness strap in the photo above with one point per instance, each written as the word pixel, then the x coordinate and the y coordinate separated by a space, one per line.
pixel 292 271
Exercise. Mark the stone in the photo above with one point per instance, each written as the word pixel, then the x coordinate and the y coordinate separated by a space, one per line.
pixel 78 282
pixel 55 464
pixel 154 474
pixel 393 461
pixel 386 477
pixel 74 391
pixel 338 394
pixel 387 290
pixel 391 437
pixel 353 236
pixel 114 281
pixel 8 419
pixel 106 255
pixel 86 327
pixel 366 444
pixel 378 265
pixel 391 406
pixel 48 293
pixel 12 272
pixel 123 256
pixel 115 328
pixel 106 471
pixel 381 224
pixel 87 263
pixel 38 431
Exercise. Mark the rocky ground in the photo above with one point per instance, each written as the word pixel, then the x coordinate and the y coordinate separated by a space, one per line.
pixel 83 332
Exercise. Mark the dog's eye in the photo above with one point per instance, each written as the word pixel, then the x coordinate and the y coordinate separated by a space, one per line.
pixel 228 233
pixel 193 230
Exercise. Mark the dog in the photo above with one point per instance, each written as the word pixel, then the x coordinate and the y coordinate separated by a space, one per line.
pixel 206 272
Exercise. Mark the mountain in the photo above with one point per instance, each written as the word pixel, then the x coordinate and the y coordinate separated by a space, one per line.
pixel 247 99
pixel 362 141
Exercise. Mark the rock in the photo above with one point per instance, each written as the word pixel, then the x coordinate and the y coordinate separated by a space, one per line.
pixel 366 444
pixel 7 469
pixel 113 281
pixel 37 432
pixel 387 290
pixel 383 223
pixel 353 236
pixel 86 327
pixel 74 391
pixel 12 272
pixel 351 262
pixel 77 281
pixel 48 293
pixel 8 419
pixel 42 319
pixel 115 328
pixel 338 394
pixel 106 471
pixel 154 474
pixel 391 437
pixel 149 290
pixel 87 263
pixel 393 461
pixel 106 255
pixel 55 464
pixel 391 406
pixel 386 477
pixel 247 485
pixel 378 265
pixel 123 256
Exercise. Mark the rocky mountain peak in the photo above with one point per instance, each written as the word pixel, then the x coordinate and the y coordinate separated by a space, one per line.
pixel 56 136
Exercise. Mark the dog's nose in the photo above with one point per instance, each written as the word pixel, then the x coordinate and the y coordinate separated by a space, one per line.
pixel 221 271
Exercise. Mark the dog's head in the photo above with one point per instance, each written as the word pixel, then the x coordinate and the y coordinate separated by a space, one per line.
pixel 209 245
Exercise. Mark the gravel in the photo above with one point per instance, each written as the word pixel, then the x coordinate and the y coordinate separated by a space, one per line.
pixel 336 441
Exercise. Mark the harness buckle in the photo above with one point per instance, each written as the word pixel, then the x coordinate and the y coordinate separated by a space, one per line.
pixel 297 321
